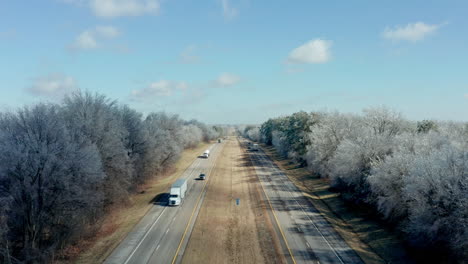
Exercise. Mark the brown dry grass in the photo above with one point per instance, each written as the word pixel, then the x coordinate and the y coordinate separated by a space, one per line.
pixel 369 238
pixel 119 221
pixel 228 233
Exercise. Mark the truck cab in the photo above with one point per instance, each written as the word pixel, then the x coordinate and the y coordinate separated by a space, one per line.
pixel 174 199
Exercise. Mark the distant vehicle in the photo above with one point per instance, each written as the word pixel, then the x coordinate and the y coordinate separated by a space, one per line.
pixel 219 140
pixel 202 176
pixel 178 190
pixel 255 147
pixel 206 154
pixel 249 143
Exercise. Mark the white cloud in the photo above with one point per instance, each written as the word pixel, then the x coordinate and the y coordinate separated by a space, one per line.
pixel 314 51
pixel 466 96
pixel 412 32
pixel 85 41
pixel 116 8
pixel 188 56
pixel 54 84
pixel 229 11
pixel 163 88
pixel 227 79
pixel 107 31
pixel 89 39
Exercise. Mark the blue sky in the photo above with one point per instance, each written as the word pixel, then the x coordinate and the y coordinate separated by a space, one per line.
pixel 239 61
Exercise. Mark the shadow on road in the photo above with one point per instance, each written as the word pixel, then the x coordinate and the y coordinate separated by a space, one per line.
pixel 160 199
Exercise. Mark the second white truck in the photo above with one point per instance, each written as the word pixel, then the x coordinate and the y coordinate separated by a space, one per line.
pixel 178 190
pixel 206 154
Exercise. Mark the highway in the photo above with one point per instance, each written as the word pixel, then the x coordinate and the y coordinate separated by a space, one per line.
pixel 308 236
pixel 162 234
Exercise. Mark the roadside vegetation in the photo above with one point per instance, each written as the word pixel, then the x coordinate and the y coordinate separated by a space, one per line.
pixel 414 175
pixel 62 166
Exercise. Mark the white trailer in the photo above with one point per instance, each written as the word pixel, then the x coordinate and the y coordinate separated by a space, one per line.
pixel 178 190
pixel 206 154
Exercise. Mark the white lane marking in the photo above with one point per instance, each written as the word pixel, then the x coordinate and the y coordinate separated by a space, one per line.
pixel 308 245
pixel 167 230
pixel 194 166
pixel 313 223
pixel 158 247
pixel 173 219
pixel 146 234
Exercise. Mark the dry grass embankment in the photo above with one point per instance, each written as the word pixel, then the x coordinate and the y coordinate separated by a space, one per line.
pixel 225 232
pixel 367 237
pixel 119 221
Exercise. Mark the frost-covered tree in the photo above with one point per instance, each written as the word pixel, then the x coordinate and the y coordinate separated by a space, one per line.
pixel 209 132
pixel 415 174
pixel 328 132
pixel 436 192
pixel 250 131
pixel 164 144
pixel 63 166
pixel 192 135
pixel 279 142
pixel 426 126
pixel 48 176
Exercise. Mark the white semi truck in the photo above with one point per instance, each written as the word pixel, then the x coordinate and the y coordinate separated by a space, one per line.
pixel 206 154
pixel 178 190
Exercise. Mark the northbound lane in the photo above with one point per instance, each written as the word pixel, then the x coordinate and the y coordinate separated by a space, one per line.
pixel 309 236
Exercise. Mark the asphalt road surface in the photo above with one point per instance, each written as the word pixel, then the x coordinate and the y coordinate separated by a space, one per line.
pixel 309 237
pixel 306 237
pixel 162 234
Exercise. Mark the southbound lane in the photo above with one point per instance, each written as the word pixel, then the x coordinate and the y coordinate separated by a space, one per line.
pixel 157 238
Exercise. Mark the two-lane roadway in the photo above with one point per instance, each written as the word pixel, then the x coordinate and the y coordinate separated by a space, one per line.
pixel 309 236
pixel 162 234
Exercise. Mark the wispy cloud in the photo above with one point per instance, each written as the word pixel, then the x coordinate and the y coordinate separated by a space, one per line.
pixel 314 51
pixel 411 32
pixel 90 39
pixel 158 89
pixel 118 8
pixel 52 85
pixel 188 55
pixel 466 96
pixel 229 12
pixel 226 80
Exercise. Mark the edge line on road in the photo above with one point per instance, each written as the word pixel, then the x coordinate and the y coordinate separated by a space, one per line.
pixel 195 163
pixel 267 159
pixel 273 211
pixel 193 211
pixel 146 234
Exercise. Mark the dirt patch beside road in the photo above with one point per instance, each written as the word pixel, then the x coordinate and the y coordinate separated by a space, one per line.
pixel 227 231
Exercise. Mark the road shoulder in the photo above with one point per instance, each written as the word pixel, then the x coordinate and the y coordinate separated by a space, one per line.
pixel 120 221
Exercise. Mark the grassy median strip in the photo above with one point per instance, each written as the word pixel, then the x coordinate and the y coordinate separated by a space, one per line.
pixel 372 242
pixel 120 221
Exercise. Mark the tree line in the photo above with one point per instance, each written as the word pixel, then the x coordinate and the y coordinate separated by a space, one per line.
pixel 62 165
pixel 413 174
